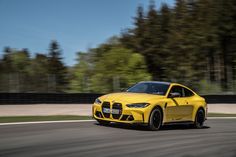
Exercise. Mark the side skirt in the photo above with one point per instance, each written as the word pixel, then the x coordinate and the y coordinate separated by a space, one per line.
pixel 177 123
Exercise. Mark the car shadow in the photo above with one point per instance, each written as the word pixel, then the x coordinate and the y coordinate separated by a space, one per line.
pixel 145 128
pixel 181 127
pixel 124 126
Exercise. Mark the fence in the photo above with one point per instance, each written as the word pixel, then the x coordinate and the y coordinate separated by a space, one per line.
pixel 47 98
pixel 80 98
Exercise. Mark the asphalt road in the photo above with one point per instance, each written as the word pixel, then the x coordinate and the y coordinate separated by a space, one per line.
pixel 216 139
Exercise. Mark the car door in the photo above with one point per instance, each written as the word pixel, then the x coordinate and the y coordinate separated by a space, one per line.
pixel 174 104
pixel 186 109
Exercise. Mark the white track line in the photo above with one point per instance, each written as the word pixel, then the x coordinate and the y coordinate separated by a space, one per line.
pixel 76 121
pixel 47 122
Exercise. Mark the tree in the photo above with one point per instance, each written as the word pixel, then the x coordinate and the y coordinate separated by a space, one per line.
pixel 5 69
pixel 152 36
pixel 81 73
pixel 15 70
pixel 179 60
pixel 39 73
pixel 139 30
pixel 225 11
pixel 6 61
pixel 118 68
pixel 20 60
pixel 134 38
pixel 56 69
pixel 107 68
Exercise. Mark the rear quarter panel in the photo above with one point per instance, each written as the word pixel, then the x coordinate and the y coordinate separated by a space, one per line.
pixel 199 102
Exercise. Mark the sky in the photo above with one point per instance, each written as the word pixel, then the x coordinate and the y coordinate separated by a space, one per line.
pixel 77 25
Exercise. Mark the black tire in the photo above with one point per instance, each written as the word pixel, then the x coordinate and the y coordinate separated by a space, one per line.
pixel 199 119
pixel 103 122
pixel 155 119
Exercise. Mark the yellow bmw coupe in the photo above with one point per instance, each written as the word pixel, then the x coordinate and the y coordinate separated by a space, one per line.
pixel 152 103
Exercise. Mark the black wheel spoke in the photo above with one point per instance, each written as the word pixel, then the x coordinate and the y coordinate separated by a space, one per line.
pixel 155 119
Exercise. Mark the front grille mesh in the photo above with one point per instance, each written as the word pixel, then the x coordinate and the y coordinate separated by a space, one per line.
pixel 106 105
pixel 117 106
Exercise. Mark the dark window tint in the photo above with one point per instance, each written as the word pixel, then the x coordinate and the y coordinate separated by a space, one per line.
pixel 177 89
pixel 150 88
pixel 187 93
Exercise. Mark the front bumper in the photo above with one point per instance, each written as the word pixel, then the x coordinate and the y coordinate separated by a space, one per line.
pixel 127 115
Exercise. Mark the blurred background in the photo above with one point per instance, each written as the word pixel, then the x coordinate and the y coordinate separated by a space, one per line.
pixel 192 42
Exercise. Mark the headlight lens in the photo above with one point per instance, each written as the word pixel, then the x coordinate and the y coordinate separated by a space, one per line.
pixel 98 101
pixel 138 105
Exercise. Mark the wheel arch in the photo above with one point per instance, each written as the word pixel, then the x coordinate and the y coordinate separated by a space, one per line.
pixel 198 123
pixel 161 109
pixel 200 108
pixel 158 106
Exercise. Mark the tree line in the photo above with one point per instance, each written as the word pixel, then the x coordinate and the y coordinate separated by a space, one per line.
pixel 193 42
pixel 42 73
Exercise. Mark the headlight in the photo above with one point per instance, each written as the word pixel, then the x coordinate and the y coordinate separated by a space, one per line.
pixel 138 105
pixel 97 101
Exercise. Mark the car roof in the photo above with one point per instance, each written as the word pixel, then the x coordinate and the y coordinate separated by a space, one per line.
pixel 160 82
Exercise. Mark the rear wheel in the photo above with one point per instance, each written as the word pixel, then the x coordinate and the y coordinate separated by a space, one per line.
pixel 199 119
pixel 155 120
pixel 103 122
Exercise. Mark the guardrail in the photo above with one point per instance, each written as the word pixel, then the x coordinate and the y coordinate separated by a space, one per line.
pixel 215 99
pixel 48 98
pixel 80 98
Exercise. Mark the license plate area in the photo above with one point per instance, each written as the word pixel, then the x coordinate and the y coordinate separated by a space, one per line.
pixel 112 111
pixel 116 111
pixel 106 110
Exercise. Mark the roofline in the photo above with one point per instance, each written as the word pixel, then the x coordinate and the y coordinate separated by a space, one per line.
pixel 162 82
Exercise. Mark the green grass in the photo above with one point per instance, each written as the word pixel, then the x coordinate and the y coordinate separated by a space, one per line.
pixel 220 115
pixel 42 118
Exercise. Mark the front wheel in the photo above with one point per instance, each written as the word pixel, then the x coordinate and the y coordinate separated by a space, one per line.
pixel 155 120
pixel 199 119
pixel 103 122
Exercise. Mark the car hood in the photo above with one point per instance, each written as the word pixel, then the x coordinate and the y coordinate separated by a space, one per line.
pixel 127 97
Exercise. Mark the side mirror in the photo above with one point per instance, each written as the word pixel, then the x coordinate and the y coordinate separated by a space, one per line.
pixel 174 95
pixel 123 89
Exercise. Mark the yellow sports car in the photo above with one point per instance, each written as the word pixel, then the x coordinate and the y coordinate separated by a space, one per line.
pixel 152 103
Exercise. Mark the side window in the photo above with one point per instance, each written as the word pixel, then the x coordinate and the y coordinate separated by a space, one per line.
pixel 177 89
pixel 188 93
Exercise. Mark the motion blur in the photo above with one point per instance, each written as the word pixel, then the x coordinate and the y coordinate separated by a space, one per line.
pixel 193 43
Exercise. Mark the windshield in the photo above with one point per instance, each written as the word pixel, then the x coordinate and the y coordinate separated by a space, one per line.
pixel 150 88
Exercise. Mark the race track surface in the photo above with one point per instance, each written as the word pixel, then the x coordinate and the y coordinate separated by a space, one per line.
pixel 216 139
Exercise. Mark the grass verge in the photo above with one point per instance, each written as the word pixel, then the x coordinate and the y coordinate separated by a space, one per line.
pixel 42 118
